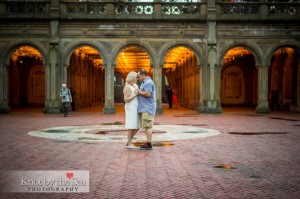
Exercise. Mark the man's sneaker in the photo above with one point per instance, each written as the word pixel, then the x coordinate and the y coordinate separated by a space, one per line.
pixel 146 146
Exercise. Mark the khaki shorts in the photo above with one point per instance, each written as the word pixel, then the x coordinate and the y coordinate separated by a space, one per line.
pixel 147 120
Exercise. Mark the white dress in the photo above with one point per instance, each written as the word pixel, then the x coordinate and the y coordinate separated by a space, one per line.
pixel 132 120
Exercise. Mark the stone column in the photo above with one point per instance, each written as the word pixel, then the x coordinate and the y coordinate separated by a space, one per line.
pixel 296 105
pixel 262 102
pixel 110 10
pixel 109 106
pixel 4 108
pixel 213 101
pixel 52 103
pixel 157 9
pixel 298 90
pixel 201 107
pixel 213 104
pixel 298 87
pixel 54 8
pixel 157 76
pixel 263 9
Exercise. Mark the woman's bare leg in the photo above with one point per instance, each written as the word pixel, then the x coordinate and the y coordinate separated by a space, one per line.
pixel 129 136
pixel 134 132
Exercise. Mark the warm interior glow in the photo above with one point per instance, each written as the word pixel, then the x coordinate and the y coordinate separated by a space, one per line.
pixel 132 58
pixel 175 56
pixel 25 51
pixel 235 53
pixel 91 54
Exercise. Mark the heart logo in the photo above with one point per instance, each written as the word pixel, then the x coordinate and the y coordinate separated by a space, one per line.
pixel 70 175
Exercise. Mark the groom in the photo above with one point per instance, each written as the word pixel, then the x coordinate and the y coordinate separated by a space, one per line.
pixel 146 106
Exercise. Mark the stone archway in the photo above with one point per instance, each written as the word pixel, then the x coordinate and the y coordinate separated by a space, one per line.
pixel 131 57
pixel 26 78
pixel 181 72
pixel 86 77
pixel 284 79
pixel 239 78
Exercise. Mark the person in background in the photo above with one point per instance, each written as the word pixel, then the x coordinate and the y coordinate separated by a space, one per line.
pixel 175 99
pixel 66 98
pixel 275 100
pixel 169 94
pixel 73 99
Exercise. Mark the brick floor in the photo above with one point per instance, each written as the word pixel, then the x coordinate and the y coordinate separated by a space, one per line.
pixel 264 150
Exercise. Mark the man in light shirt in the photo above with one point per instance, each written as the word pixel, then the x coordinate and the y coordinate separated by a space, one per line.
pixel 146 106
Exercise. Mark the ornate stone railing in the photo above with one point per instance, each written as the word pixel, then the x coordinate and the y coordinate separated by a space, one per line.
pixel 284 9
pixel 258 11
pixel 85 8
pixel 134 10
pixel 240 8
pixel 254 8
pixel 71 9
pixel 33 7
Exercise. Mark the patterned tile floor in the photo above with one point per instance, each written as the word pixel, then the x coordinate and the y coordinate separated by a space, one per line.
pixel 263 149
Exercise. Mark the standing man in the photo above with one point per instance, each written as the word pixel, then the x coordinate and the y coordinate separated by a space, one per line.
pixel 146 106
pixel 275 100
pixel 66 98
pixel 73 99
pixel 169 94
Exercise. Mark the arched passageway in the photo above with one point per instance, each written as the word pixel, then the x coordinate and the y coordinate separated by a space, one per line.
pixel 130 58
pixel 180 72
pixel 86 77
pixel 284 83
pixel 239 79
pixel 26 78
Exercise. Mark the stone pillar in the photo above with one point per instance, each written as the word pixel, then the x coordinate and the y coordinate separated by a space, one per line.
pixel 262 102
pixel 201 108
pixel 52 103
pixel 263 9
pixel 213 101
pixel 298 88
pixel 4 108
pixel 54 8
pixel 213 104
pixel 110 10
pixel 157 9
pixel 109 106
pixel 296 105
pixel 157 76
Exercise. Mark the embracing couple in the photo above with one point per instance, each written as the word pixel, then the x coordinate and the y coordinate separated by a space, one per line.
pixel 140 107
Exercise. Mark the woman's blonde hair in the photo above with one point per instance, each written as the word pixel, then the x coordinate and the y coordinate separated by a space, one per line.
pixel 131 76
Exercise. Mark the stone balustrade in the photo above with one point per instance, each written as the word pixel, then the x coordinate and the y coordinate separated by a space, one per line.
pixel 159 10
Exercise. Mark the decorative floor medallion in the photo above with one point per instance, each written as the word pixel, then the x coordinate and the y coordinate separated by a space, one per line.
pixel 114 133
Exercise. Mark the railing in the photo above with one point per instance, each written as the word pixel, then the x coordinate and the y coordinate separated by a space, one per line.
pixel 257 8
pixel 147 10
pixel 134 8
pixel 26 7
pixel 86 8
pixel 284 9
pixel 239 8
